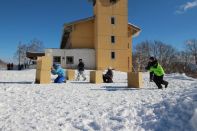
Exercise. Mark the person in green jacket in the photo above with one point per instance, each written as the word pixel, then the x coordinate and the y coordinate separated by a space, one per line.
pixel 158 72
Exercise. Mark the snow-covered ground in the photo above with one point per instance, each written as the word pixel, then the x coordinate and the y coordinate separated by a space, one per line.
pixel 25 106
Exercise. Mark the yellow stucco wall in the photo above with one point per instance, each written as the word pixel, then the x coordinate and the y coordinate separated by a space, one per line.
pixel 130 50
pixel 82 35
pixel 119 63
pixel 103 11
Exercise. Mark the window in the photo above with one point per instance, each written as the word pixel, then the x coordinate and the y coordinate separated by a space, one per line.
pixel 69 60
pixel 113 55
pixel 113 39
pixel 113 1
pixel 57 59
pixel 113 20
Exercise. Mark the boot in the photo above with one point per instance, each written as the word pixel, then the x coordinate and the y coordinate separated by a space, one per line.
pixel 166 85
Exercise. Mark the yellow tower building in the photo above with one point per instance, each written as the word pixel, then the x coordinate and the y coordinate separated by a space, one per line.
pixel 112 44
pixel 107 33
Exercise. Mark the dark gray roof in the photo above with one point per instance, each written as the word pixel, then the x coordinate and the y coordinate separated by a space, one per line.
pixel 34 55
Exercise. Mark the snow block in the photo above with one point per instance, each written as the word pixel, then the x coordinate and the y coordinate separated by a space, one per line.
pixel 43 70
pixel 43 77
pixel 135 79
pixel 96 77
pixel 70 74
pixel 44 63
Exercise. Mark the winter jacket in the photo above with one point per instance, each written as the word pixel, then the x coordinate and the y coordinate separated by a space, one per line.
pixel 157 70
pixel 81 66
pixel 109 73
pixel 58 71
pixel 149 66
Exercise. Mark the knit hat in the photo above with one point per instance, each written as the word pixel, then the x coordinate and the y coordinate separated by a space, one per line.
pixel 55 65
pixel 152 58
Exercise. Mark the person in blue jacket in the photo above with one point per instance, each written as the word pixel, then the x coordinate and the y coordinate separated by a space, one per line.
pixel 57 70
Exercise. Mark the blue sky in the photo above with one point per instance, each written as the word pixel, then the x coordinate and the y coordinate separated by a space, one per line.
pixel 171 21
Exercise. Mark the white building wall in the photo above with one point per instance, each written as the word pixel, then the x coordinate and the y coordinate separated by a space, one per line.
pixel 88 56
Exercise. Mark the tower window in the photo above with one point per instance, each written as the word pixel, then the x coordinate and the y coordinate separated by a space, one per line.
pixel 113 39
pixel 113 20
pixel 113 1
pixel 113 55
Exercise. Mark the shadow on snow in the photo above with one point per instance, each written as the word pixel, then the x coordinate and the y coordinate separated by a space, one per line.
pixel 22 82
pixel 121 88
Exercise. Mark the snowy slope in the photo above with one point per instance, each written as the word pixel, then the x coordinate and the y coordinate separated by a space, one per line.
pixel 25 106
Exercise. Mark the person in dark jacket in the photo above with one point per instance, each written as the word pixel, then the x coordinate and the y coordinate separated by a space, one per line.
pixel 108 77
pixel 158 73
pixel 81 67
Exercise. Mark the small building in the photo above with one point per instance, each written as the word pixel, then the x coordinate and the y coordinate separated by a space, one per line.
pixel 69 58
pixel 103 40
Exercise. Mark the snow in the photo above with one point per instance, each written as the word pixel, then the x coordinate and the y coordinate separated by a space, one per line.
pixel 78 105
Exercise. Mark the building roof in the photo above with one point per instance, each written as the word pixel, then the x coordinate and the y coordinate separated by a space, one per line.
pixel 137 30
pixel 79 21
pixel 34 55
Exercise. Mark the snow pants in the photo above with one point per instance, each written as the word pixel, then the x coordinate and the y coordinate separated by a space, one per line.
pixel 59 79
pixel 81 73
pixel 151 76
pixel 107 79
pixel 159 81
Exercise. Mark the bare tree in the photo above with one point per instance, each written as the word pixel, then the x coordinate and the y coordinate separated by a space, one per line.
pixel 191 45
pixel 184 57
pixel 21 53
pixel 168 56
pixel 165 53
pixel 33 46
pixel 142 52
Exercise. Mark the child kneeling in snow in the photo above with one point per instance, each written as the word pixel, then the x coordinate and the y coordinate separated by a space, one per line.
pixel 108 77
pixel 57 70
